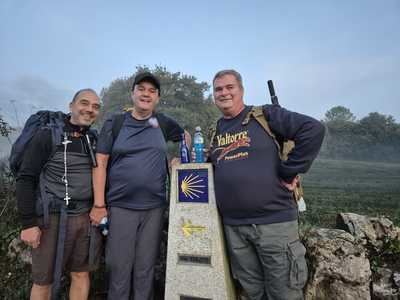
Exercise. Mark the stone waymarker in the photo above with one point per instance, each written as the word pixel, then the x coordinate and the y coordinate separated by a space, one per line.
pixel 197 267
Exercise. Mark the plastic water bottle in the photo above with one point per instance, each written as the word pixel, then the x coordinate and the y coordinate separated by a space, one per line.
pixel 184 151
pixel 103 226
pixel 198 143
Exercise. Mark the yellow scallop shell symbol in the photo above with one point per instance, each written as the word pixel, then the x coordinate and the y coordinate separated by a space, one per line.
pixel 191 186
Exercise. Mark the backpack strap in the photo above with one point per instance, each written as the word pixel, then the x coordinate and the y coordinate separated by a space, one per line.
pixel 257 113
pixel 117 122
pixel 162 122
pixel 55 122
pixel 59 258
pixel 212 132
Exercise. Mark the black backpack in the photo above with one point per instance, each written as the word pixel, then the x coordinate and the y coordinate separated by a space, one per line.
pixel 54 120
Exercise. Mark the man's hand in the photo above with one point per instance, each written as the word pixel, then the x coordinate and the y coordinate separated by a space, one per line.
pixel 291 186
pixel 174 162
pixel 96 214
pixel 31 236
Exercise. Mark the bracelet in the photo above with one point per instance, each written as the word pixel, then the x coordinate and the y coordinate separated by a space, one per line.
pixel 99 206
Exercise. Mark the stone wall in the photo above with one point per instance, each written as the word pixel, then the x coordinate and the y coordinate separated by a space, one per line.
pixel 358 260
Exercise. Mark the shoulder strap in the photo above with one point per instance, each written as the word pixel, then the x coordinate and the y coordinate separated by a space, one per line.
pixel 162 122
pixel 257 113
pixel 117 122
pixel 93 133
pixel 212 132
pixel 56 136
pixel 55 122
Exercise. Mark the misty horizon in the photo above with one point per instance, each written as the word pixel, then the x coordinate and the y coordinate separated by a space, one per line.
pixel 319 54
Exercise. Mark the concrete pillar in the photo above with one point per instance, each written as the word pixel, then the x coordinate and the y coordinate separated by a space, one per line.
pixel 197 266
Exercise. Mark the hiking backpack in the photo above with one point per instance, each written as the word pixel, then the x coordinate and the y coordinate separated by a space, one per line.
pixel 284 147
pixel 43 119
pixel 40 120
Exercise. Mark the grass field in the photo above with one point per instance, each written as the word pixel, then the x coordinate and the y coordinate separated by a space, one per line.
pixel 333 186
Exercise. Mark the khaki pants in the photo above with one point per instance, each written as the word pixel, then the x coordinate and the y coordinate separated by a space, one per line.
pixel 268 260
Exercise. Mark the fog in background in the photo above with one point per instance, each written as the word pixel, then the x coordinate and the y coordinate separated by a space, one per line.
pixel 320 54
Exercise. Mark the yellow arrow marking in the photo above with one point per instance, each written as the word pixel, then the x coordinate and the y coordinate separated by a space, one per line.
pixel 188 228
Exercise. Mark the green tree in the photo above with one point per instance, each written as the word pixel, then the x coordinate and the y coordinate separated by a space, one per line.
pixel 378 126
pixel 341 129
pixel 375 137
pixel 339 114
pixel 182 97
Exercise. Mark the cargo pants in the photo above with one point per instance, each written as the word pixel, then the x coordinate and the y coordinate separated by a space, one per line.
pixel 268 260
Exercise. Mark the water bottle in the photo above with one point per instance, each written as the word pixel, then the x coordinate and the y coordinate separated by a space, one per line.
pixel 103 226
pixel 184 151
pixel 198 143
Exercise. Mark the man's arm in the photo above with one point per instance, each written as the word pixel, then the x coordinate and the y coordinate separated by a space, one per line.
pixel 99 174
pixel 99 210
pixel 307 134
pixel 35 157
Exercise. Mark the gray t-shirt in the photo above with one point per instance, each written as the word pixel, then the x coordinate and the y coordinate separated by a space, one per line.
pixel 137 166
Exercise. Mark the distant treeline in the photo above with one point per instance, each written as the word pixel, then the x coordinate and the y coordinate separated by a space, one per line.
pixel 375 137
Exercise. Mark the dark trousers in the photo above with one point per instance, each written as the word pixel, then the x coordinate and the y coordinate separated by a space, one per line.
pixel 131 253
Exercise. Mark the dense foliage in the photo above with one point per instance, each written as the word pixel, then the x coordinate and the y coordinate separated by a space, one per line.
pixel 375 137
pixel 182 98
pixel 14 274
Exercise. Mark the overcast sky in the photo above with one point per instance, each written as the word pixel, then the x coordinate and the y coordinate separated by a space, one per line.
pixel 319 53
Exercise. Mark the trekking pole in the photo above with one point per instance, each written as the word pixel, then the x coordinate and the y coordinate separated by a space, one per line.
pixel 274 98
pixel 274 101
